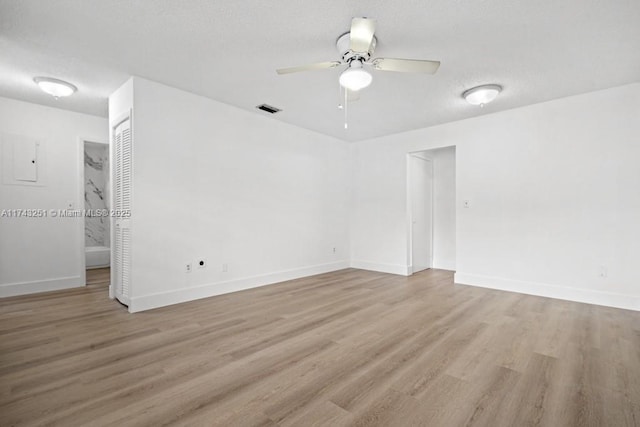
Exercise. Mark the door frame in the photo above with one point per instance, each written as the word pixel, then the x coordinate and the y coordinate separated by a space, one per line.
pixel 422 156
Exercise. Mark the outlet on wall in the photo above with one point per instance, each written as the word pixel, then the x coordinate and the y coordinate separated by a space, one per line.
pixel 225 267
pixel 188 267
pixel 603 271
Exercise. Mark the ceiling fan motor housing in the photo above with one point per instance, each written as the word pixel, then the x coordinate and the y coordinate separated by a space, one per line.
pixel 343 44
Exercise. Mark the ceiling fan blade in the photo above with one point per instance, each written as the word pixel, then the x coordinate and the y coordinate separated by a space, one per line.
pixel 309 67
pixel 361 35
pixel 406 65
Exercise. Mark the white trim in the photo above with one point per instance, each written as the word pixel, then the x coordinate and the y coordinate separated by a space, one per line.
pixel 445 266
pixel 587 296
pixel 409 217
pixel 148 302
pixel 24 288
pixel 403 270
pixel 80 244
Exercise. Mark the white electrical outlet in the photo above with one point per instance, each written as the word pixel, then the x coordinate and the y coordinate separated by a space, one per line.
pixel 188 267
pixel 603 271
pixel 334 250
pixel 225 267
pixel 202 263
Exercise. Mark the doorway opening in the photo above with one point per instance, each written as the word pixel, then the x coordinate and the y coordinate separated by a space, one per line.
pixel 96 193
pixel 431 207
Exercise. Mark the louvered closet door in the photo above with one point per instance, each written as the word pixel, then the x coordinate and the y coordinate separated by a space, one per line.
pixel 123 193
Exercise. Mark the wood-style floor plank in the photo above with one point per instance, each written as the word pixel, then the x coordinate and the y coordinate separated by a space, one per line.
pixel 348 348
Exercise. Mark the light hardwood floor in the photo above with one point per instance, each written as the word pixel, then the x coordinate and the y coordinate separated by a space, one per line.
pixel 98 276
pixel 345 348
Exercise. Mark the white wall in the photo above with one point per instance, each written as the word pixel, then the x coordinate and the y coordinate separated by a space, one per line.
pixel 212 181
pixel 553 189
pixel 554 196
pixel 40 254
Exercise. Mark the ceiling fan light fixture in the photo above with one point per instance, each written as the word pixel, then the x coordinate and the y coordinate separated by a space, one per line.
pixel 355 77
pixel 482 95
pixel 55 87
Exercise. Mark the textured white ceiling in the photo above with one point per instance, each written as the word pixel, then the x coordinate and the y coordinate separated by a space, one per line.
pixel 229 50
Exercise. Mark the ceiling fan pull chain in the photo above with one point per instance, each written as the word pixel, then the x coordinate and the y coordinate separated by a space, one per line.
pixel 346 103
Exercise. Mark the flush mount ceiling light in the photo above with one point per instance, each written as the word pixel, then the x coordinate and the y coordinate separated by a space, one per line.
pixel 482 95
pixel 55 87
pixel 355 77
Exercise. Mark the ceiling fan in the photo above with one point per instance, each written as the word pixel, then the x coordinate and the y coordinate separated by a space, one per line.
pixel 357 47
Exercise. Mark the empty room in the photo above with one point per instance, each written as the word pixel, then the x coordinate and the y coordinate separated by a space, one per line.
pixel 319 213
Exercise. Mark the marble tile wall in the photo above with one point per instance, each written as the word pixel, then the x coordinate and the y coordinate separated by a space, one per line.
pixel 96 172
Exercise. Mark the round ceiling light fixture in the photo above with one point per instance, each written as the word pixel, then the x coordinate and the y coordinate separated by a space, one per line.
pixel 55 87
pixel 482 95
pixel 355 77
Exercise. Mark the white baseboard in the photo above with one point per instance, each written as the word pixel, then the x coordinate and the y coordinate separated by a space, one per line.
pixel 451 266
pixel 148 302
pixel 24 288
pixel 403 270
pixel 588 296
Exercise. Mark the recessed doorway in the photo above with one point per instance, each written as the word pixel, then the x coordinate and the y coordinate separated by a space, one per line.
pixel 431 207
pixel 95 199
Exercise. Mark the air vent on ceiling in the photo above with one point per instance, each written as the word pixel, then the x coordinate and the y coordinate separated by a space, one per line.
pixel 268 108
